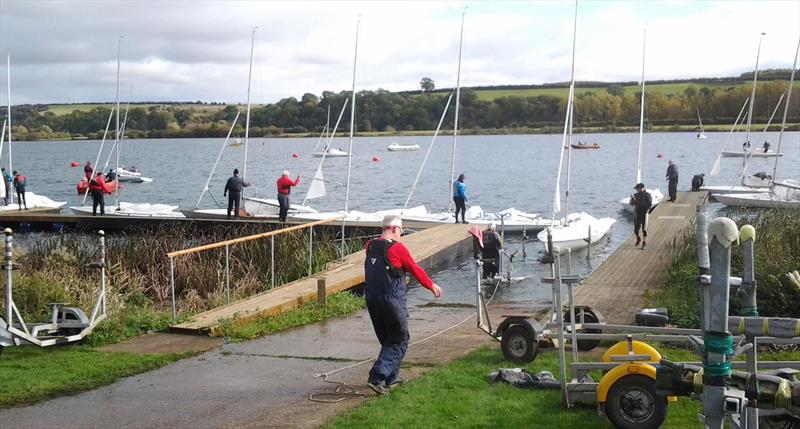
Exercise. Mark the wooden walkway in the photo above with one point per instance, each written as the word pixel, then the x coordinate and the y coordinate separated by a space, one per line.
pixel 428 248
pixel 617 287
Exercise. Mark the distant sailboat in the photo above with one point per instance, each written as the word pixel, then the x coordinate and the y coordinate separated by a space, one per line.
pixel 702 134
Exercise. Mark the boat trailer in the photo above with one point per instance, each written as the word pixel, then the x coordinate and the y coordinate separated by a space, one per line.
pixel 66 324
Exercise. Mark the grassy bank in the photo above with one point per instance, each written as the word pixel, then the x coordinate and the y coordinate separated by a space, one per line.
pixel 777 252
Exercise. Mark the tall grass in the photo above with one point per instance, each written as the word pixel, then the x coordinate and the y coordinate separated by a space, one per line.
pixel 776 250
pixel 52 269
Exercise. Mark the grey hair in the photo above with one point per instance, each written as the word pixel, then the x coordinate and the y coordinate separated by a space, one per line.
pixel 392 220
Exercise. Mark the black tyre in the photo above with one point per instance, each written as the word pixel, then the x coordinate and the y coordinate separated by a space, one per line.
pixel 632 403
pixel 519 344
pixel 588 317
pixel 778 422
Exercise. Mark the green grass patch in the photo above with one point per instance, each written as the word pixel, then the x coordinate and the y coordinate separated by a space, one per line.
pixel 247 329
pixel 32 374
pixel 458 394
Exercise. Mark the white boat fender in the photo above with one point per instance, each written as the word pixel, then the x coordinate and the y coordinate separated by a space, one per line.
pixel 724 230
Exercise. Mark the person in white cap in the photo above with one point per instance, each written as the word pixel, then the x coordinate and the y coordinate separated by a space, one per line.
pixel 284 189
pixel 385 268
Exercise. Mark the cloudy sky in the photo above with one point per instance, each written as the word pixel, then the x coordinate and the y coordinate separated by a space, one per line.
pixel 65 51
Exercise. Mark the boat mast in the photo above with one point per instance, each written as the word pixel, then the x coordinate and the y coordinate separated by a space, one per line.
pixel 698 114
pixel 352 128
pixel 753 93
pixel 641 114
pixel 783 122
pixel 8 76
pixel 567 123
pixel 116 129
pixel 247 118
pixel 455 121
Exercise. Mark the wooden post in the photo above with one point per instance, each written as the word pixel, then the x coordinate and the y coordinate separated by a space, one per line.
pixel 322 294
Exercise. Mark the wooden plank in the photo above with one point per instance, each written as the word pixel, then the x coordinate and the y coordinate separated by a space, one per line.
pixel 428 247
pixel 618 286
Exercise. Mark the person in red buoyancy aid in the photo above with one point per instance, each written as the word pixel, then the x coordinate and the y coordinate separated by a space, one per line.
pixel 97 189
pixel 19 186
pixel 284 189
pixel 385 268
pixel 88 169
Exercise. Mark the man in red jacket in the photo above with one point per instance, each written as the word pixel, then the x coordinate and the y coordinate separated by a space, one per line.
pixel 385 269
pixel 284 189
pixel 97 187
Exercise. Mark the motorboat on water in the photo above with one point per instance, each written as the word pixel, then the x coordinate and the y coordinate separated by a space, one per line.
pixel 331 152
pixel 575 233
pixel 585 146
pixel 133 175
pixel 394 147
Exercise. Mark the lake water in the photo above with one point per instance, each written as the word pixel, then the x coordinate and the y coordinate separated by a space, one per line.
pixel 501 172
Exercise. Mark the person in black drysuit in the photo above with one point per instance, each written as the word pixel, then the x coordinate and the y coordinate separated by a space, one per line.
pixel 672 179
pixel 641 201
pixel 697 181
pixel 490 253
pixel 766 146
pixel 233 189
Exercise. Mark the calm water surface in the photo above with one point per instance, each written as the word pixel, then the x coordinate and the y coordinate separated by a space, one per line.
pixel 501 171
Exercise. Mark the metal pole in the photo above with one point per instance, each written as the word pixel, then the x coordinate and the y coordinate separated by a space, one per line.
pixel 9 266
pixel 749 308
pixel 560 323
pixel 172 287
pixel 103 269
pixel 715 334
pixel 272 259
pixel 589 244
pixel 310 249
pixel 701 230
pixel 228 272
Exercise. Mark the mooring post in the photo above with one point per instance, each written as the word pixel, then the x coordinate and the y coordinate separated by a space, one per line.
pixel 524 236
pixel 172 287
pixel 310 249
pixel 9 265
pixel 589 244
pixel 228 272
pixel 717 340
pixel 272 259
pixel 322 292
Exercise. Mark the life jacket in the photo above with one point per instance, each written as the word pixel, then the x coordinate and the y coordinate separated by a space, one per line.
pixel 20 181
pixel 382 279
pixel 97 184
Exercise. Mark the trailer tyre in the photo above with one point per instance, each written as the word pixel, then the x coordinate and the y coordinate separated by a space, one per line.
pixel 632 403
pixel 589 316
pixel 519 344
pixel 778 422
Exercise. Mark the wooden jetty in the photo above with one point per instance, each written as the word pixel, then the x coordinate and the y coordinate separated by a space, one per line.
pixel 428 247
pixel 617 287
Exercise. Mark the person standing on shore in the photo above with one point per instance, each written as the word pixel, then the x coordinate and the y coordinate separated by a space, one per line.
pixel 672 180
pixel 19 185
pixel 233 189
pixel 385 268
pixel 460 197
pixel 641 201
pixel 284 189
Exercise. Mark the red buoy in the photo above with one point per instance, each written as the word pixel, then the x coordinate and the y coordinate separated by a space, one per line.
pixel 295 155
pixel 376 159
pixel 73 164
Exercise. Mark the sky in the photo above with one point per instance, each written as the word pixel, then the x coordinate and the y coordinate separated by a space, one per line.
pixel 66 51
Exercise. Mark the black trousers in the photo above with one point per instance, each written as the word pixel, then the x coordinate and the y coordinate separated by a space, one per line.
pixel 673 188
pixel 21 199
pixel 98 199
pixel 283 201
pixel 233 203
pixel 461 205
pixel 640 222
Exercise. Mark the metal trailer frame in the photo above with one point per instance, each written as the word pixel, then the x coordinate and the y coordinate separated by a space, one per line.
pixel 66 324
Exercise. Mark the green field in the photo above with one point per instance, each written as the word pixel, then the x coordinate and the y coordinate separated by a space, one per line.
pixel 666 89
pixel 63 109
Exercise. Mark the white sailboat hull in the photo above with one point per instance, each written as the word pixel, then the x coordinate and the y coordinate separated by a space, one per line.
pixel 759 200
pixel 335 153
pixel 573 235
pixel 270 207
pixel 133 210
pixel 735 189
pixel 394 147
pixel 33 201
pixel 656 195
pixel 749 154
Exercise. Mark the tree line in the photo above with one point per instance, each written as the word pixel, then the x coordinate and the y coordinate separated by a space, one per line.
pixel 386 111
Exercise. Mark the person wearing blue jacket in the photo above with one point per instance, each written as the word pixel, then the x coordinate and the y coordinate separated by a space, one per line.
pixel 460 197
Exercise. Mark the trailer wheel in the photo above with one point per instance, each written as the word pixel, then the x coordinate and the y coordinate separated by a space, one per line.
pixel 778 422
pixel 519 344
pixel 632 403
pixel 589 316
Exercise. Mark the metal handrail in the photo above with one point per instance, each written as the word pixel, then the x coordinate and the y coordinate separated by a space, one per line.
pixel 250 237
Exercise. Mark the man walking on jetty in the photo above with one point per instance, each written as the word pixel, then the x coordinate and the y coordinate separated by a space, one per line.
pixel 233 189
pixel 385 268
pixel 641 201
pixel 284 189
pixel 672 180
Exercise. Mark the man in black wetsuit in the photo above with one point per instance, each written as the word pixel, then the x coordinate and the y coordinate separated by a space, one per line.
pixel 672 179
pixel 697 181
pixel 641 201
pixel 233 189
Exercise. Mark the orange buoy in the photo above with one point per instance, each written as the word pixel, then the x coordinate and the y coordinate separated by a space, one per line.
pixel 376 159
pixel 73 164
pixel 295 155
